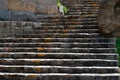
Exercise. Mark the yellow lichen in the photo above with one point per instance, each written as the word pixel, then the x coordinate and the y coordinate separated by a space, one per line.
pixel 65 31
pixel 48 39
pixel 32 76
pixel 40 49
pixel 64 35
pixel 36 61
pixel 71 27
pixel 38 69
pixel 41 55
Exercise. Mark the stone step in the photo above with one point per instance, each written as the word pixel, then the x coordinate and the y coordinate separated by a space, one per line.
pixel 85 26
pixel 92 3
pixel 58 76
pixel 68 23
pixel 58 69
pixel 81 6
pixel 69 20
pixel 64 40
pixel 82 13
pixel 60 35
pixel 63 31
pixel 33 55
pixel 59 45
pixel 66 17
pixel 59 50
pixel 60 62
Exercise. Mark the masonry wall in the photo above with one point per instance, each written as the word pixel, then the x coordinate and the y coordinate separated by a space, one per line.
pixel 34 6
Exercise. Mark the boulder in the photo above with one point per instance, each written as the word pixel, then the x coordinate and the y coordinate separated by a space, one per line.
pixel 109 18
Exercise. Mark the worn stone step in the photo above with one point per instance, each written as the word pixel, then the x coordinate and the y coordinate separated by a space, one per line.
pixel 60 62
pixel 60 35
pixel 59 50
pixel 62 27
pixel 81 6
pixel 58 76
pixel 65 17
pixel 81 3
pixel 58 69
pixel 43 21
pixel 59 45
pixel 64 31
pixel 82 13
pixel 66 40
pixel 71 19
pixel 33 55
pixel 69 23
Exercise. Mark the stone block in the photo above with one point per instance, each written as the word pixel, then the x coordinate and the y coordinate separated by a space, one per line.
pixel 24 16
pixel 47 2
pixel 41 9
pixel 14 5
pixel 33 1
pixel 3 6
pixel 29 7
pixel 5 15
pixel 1 24
pixel 52 9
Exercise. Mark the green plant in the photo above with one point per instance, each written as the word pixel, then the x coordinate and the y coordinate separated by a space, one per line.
pixel 60 4
pixel 118 47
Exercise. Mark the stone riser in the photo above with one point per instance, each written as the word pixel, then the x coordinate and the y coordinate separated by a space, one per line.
pixel 61 69
pixel 65 31
pixel 110 56
pixel 59 50
pixel 67 27
pixel 60 62
pixel 59 35
pixel 58 45
pixel 60 77
pixel 67 40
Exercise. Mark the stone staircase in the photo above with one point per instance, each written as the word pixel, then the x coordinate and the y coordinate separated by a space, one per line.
pixel 67 47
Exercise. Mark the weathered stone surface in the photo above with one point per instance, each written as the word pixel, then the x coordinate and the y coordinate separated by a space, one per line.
pixel 47 2
pixel 3 6
pixel 29 7
pixel 18 16
pixel 109 17
pixel 41 9
pixel 14 5
pixel 42 6
pixel 23 16
pixel 5 15
pixel 52 9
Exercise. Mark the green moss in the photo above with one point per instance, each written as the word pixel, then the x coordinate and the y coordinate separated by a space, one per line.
pixel 118 47
pixel 60 4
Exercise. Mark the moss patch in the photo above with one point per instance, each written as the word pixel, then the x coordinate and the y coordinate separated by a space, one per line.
pixel 118 47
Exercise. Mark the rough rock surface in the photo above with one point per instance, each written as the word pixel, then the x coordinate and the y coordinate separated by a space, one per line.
pixel 109 17
pixel 17 16
pixel 3 5
pixel 31 5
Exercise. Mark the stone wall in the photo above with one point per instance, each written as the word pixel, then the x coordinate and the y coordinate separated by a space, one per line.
pixel 10 29
pixel 34 6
